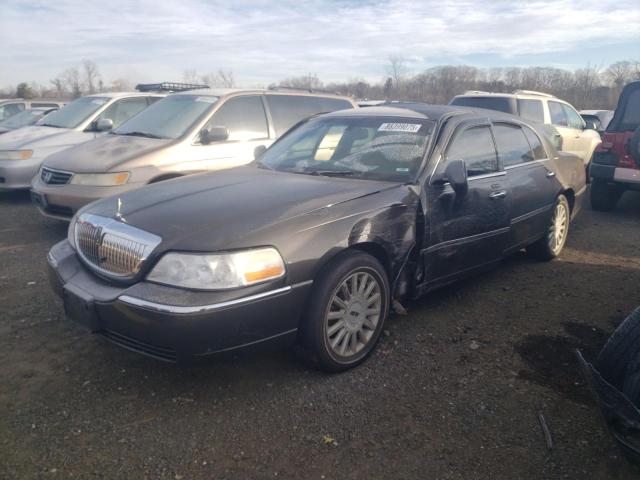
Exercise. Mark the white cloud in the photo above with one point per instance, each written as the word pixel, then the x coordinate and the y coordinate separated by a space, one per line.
pixel 262 41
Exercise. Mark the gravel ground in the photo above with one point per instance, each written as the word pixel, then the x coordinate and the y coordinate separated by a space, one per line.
pixel 452 392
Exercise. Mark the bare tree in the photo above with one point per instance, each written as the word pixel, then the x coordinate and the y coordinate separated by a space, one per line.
pixel 91 76
pixel 58 85
pixel 307 82
pixel 190 76
pixel 396 69
pixel 121 85
pixel 72 81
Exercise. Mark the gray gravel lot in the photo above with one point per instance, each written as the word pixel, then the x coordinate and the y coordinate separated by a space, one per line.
pixel 452 392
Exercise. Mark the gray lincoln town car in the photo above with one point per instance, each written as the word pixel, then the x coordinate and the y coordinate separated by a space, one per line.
pixel 314 241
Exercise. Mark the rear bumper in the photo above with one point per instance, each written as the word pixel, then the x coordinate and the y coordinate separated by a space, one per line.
pixel 627 177
pixel 177 325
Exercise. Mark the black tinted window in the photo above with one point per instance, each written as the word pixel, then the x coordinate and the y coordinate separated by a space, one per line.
pixel 531 110
pixel 49 105
pixel 513 147
pixel 244 117
pixel 474 146
pixel 558 116
pixel 502 104
pixel 631 117
pixel 539 152
pixel 287 110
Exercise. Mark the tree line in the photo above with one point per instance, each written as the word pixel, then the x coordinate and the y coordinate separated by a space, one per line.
pixel 586 88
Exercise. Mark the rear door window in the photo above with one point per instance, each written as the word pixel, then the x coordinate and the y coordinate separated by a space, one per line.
pixel 513 146
pixel 287 110
pixel 531 110
pixel 557 113
pixel 244 117
pixel 475 146
pixel 539 153
pixel 45 105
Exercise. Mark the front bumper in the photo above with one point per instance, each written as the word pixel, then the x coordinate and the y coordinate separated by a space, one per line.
pixel 17 174
pixel 63 201
pixel 173 324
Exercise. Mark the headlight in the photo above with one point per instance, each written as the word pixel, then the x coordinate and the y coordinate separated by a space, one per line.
pixel 218 271
pixel 16 154
pixel 100 179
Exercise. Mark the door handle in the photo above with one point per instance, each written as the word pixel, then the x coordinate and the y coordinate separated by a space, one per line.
pixel 550 174
pixel 498 194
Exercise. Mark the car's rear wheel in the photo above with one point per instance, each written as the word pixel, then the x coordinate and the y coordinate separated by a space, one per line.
pixel 604 196
pixel 349 306
pixel 550 246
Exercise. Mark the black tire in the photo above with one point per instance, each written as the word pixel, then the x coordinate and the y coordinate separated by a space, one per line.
pixel 543 249
pixel 604 196
pixel 314 337
pixel 631 386
pixel 620 350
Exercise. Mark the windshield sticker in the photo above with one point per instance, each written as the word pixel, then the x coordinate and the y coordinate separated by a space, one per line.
pixel 207 99
pixel 98 101
pixel 400 127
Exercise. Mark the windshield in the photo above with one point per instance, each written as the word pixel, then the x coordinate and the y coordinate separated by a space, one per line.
pixel 28 117
pixel 74 113
pixel 170 117
pixel 376 148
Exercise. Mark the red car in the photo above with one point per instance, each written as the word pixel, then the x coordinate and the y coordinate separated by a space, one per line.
pixel 616 162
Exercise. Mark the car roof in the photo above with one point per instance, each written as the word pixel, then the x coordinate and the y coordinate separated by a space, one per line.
pixel 125 94
pixel 222 92
pixel 424 111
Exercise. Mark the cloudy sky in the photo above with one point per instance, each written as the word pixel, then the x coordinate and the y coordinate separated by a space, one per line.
pixel 263 41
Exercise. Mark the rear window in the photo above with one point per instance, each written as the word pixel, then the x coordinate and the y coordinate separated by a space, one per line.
pixel 631 117
pixel 501 104
pixel 287 110
pixel 531 110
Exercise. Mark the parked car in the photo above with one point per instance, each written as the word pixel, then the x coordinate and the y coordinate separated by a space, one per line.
pixel 572 134
pixel 24 119
pixel 313 242
pixel 616 162
pixel 599 119
pixel 12 106
pixel 185 133
pixel 23 150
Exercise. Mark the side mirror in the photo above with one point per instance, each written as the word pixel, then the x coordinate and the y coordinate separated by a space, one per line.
pixel 592 125
pixel 258 152
pixel 103 125
pixel 214 134
pixel 455 174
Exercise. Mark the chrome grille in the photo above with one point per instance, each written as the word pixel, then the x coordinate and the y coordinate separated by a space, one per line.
pixel 112 247
pixel 55 177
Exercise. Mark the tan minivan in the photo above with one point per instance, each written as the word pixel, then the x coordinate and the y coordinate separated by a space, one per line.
pixel 184 133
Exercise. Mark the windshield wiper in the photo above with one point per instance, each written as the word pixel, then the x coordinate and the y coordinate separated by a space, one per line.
pixel 138 134
pixel 330 173
pixel 47 125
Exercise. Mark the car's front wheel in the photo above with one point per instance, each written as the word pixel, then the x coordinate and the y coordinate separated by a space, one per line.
pixel 349 305
pixel 550 246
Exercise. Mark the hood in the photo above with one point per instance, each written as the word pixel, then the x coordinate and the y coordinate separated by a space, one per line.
pixel 36 136
pixel 209 211
pixel 4 130
pixel 104 153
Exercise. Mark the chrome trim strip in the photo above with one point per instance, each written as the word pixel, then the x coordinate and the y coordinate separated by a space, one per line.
pixel 532 214
pixel 185 310
pixel 463 240
pixel 487 175
pixel 229 349
pixel 525 164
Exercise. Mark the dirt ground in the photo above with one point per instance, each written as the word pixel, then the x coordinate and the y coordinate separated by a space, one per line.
pixel 453 391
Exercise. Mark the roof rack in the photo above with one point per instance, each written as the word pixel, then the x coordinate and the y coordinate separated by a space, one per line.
pixel 298 89
pixel 168 87
pixel 533 92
